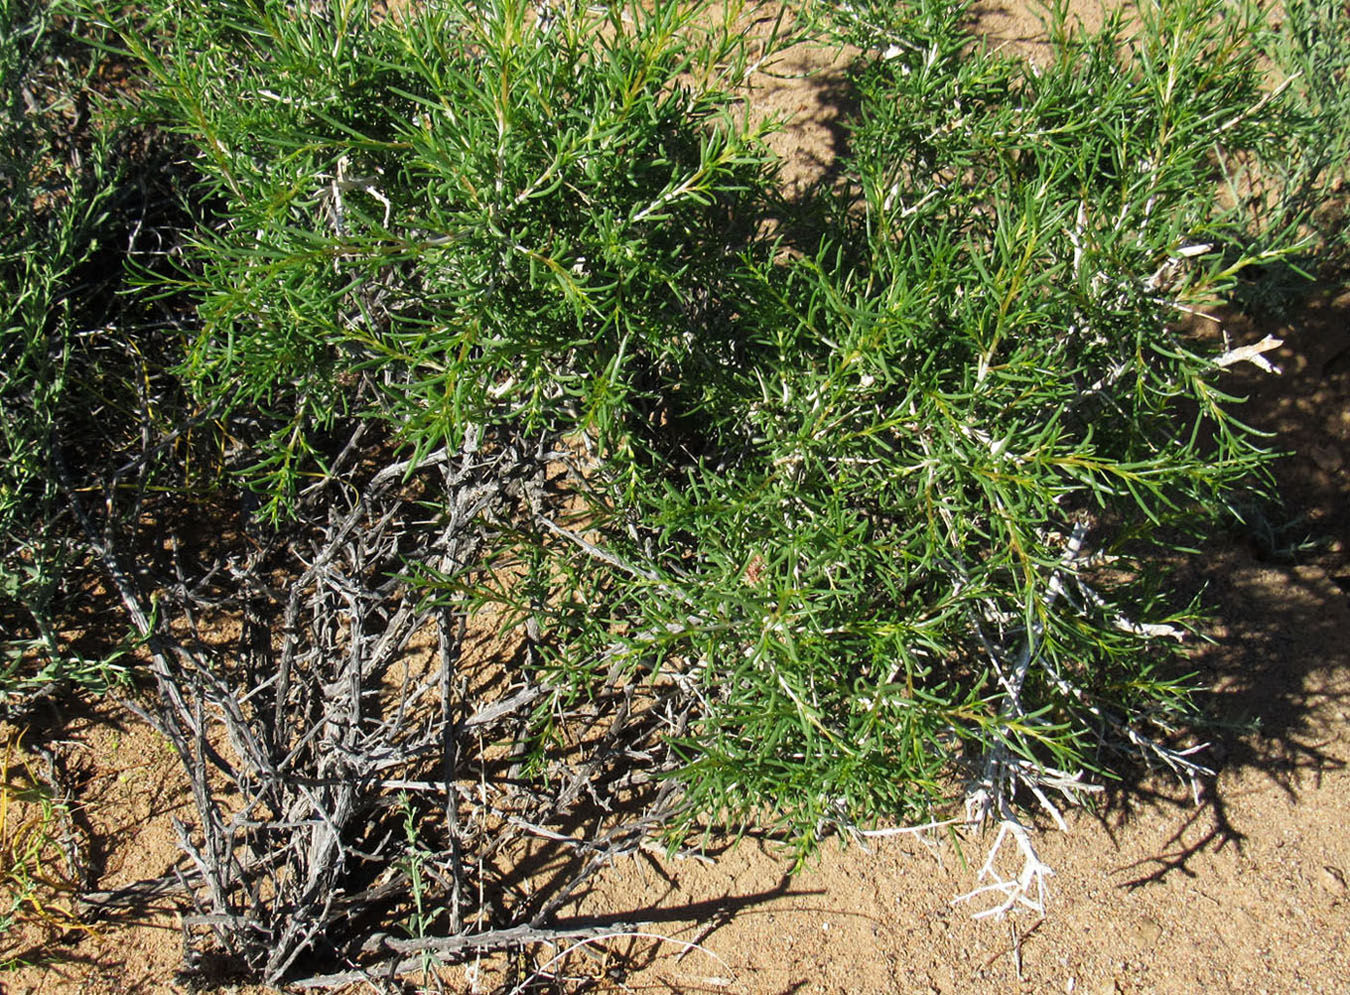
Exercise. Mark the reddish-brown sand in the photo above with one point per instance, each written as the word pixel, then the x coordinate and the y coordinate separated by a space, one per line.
pixel 1245 892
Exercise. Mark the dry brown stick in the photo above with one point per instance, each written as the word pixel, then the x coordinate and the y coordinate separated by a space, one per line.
pixel 449 656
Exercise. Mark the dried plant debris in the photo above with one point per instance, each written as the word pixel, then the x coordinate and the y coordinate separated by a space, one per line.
pixel 356 804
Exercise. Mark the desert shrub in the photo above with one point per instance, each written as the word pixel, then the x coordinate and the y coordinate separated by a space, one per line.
pixel 496 304
pixel 57 188
pixel 56 181
pixel 440 251
pixel 1307 40
pixel 470 215
pixel 924 535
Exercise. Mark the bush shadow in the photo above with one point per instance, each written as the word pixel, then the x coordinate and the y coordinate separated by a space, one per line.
pixel 1275 676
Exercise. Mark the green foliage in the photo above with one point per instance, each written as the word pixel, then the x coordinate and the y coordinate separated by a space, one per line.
pixel 1295 194
pixel 925 522
pixel 464 216
pixel 55 183
pixel 865 520
pixel 884 506
pixel 1309 43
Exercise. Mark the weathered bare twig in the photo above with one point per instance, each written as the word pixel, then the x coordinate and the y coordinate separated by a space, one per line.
pixel 1254 354
pixel 323 758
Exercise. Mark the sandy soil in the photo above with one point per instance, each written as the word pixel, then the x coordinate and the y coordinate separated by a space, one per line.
pixel 1244 892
